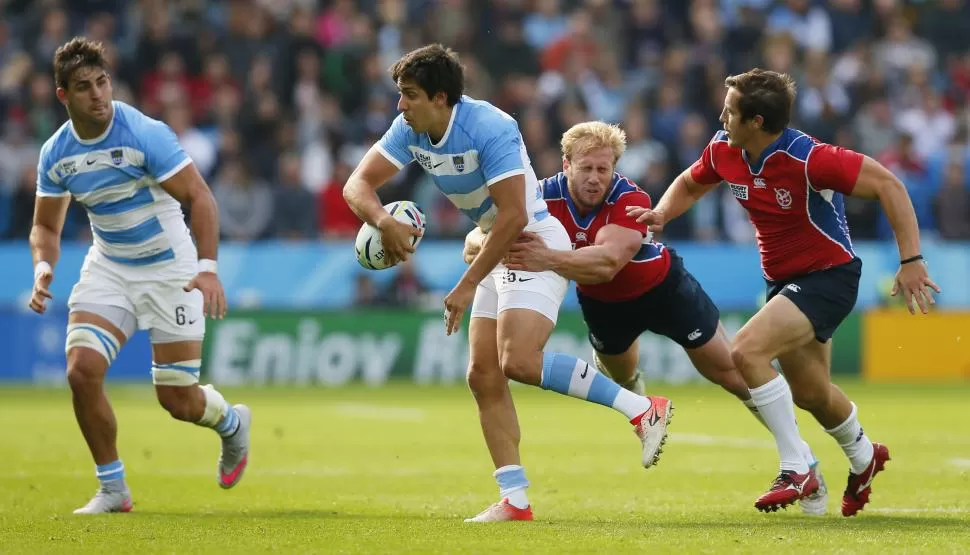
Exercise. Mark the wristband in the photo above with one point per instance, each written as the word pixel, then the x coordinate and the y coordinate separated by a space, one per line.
pixel 41 267
pixel 911 259
pixel 206 265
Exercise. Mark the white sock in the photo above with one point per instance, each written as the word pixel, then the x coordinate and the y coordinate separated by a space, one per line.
pixel 853 441
pixel 776 407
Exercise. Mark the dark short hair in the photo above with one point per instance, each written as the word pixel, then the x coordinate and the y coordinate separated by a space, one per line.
pixel 435 69
pixel 77 53
pixel 767 94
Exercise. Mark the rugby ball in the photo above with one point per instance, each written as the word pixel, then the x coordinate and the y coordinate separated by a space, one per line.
pixel 369 247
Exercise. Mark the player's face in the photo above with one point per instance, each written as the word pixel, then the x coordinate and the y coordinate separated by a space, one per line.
pixel 419 111
pixel 589 176
pixel 738 132
pixel 88 94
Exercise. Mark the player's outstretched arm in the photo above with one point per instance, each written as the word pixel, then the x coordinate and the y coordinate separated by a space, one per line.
pixel 677 199
pixel 875 181
pixel 360 192
pixel 188 187
pixel 599 263
pixel 45 245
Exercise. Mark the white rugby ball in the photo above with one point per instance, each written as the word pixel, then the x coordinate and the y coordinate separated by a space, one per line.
pixel 370 248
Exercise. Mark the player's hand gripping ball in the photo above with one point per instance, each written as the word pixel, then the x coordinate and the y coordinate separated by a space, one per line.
pixel 369 244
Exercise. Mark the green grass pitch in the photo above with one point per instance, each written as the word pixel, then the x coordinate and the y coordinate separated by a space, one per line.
pixel 395 469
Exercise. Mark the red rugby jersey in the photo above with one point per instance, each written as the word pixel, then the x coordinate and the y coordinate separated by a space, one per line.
pixel 650 264
pixel 793 196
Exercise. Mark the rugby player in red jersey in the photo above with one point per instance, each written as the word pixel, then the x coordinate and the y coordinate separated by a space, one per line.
pixel 792 187
pixel 626 283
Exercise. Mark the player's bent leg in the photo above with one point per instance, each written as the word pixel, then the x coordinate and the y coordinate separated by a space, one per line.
pixel 779 327
pixel 713 361
pixel 622 367
pixel 522 333
pixel 808 370
pixel 92 344
pixel 175 373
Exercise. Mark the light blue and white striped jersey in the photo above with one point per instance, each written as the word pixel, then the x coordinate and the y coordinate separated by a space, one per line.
pixel 481 146
pixel 116 177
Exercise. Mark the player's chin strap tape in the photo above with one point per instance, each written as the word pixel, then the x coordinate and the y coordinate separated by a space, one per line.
pixel 92 337
pixel 184 373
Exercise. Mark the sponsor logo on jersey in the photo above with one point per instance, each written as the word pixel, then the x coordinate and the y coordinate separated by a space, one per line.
pixel 740 191
pixel 759 183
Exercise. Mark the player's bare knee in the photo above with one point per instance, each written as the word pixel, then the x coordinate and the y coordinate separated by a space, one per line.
pixel 747 351
pixel 485 380
pixel 811 399
pixel 85 368
pixel 522 367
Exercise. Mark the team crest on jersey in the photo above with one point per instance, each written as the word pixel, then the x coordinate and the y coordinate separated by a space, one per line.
pixel 740 191
pixel 581 236
pixel 459 161
pixel 759 183
pixel 783 196
pixel 117 157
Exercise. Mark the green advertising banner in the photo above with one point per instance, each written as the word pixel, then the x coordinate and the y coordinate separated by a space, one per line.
pixel 373 346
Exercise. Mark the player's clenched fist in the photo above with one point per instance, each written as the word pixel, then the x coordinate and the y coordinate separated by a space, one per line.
pixel 42 282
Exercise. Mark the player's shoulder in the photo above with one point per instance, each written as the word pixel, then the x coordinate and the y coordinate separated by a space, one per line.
pixel 797 144
pixel 625 191
pixel 479 119
pixel 133 119
pixel 55 146
pixel 554 187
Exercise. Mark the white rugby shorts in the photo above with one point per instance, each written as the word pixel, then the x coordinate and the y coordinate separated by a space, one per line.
pixel 160 305
pixel 541 292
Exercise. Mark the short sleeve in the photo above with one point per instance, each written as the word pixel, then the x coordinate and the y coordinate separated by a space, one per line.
pixel 703 171
pixel 618 215
pixel 164 156
pixel 394 144
pixel 500 151
pixel 49 183
pixel 834 168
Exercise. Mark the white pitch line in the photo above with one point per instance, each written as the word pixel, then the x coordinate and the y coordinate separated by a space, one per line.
pixel 965 463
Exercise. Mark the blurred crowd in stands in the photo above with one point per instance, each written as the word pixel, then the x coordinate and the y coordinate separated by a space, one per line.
pixel 277 100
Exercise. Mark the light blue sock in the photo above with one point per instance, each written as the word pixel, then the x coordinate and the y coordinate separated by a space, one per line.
pixel 111 476
pixel 512 484
pixel 229 423
pixel 571 376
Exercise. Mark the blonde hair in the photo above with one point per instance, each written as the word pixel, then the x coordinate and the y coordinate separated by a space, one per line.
pixel 584 137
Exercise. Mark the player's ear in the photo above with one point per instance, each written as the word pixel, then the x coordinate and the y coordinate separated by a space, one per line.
pixel 61 95
pixel 565 163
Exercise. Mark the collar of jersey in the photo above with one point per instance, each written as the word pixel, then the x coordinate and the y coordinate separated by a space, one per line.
pixel 444 138
pixel 769 150
pixel 102 136
pixel 584 221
